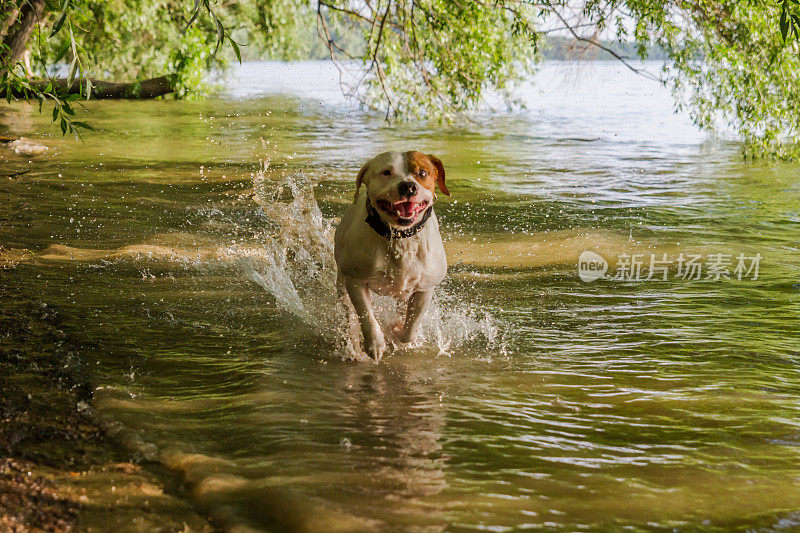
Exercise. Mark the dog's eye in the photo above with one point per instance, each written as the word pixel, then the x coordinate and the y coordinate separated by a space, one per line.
pixel 387 172
pixel 422 173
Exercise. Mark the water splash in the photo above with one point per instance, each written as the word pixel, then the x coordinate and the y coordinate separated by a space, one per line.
pixel 297 267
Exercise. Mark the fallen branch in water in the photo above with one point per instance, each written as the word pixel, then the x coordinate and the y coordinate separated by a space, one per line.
pixel 106 90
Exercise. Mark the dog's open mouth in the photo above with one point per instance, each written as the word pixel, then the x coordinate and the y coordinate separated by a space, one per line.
pixel 404 211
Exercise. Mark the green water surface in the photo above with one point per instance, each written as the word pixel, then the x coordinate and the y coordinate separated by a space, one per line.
pixel 576 406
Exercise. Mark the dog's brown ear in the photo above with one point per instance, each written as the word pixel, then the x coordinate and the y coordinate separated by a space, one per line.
pixel 360 178
pixel 439 174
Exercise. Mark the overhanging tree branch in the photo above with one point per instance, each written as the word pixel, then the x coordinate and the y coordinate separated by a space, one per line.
pixel 621 59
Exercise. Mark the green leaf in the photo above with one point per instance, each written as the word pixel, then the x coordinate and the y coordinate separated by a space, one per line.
pixel 72 44
pixel 196 12
pixel 73 69
pixel 63 126
pixel 236 51
pixel 59 22
pixel 67 108
pixel 220 33
pixel 84 125
pixel 784 23
pixel 55 112
pixel 61 53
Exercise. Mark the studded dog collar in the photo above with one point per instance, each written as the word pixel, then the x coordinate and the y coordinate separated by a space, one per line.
pixel 381 228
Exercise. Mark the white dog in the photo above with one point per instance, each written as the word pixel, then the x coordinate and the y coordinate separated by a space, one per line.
pixel 388 241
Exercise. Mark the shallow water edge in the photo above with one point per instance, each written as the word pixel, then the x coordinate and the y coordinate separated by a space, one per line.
pixel 61 467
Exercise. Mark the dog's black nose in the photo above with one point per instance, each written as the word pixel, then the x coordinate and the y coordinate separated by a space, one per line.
pixel 407 189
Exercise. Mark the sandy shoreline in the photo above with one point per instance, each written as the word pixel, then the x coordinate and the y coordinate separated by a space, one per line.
pixel 59 471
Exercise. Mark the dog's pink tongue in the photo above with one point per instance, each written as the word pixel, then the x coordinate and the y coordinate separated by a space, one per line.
pixel 405 209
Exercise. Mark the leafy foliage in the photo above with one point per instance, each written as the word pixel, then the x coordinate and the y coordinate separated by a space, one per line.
pixel 134 40
pixel 437 57
pixel 12 83
pixel 729 62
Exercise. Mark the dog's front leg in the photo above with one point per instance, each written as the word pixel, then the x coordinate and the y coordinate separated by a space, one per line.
pixel 416 307
pixel 374 344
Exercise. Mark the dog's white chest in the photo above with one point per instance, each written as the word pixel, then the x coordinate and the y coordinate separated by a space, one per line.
pixel 405 267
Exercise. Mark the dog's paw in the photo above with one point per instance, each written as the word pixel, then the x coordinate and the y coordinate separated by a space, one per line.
pixel 399 337
pixel 407 337
pixel 375 348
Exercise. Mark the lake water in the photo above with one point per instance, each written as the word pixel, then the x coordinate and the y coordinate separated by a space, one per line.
pixel 185 247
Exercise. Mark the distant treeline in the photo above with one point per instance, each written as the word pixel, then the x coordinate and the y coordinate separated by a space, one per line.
pixel 550 48
pixel 565 48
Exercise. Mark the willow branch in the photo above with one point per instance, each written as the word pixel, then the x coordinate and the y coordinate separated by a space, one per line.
pixel 622 59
